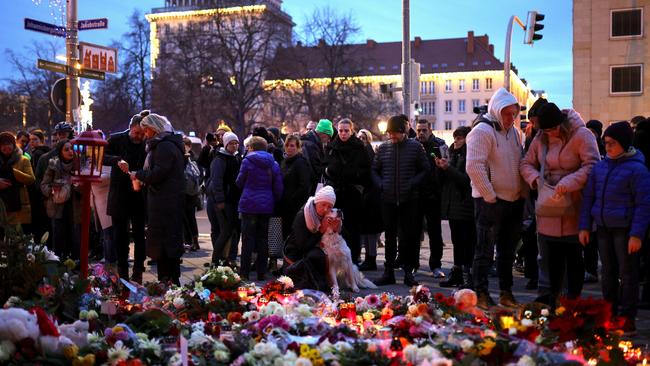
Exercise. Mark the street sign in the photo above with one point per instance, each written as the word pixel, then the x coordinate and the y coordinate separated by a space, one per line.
pixel 52 66
pixel 58 96
pixel 38 26
pixel 98 58
pixel 92 74
pixel 88 24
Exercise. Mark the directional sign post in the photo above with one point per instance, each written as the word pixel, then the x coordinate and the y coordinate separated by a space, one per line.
pixel 38 26
pixel 88 24
pixel 52 66
pixel 92 74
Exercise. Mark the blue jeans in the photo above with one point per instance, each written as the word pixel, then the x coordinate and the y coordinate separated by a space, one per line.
pixel 254 237
pixel 497 225
pixel 617 263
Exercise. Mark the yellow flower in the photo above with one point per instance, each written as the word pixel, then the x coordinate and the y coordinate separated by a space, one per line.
pixel 368 316
pixel 560 310
pixel 87 360
pixel 304 350
pixel 485 348
pixel 118 329
pixel 70 264
pixel 70 351
pixel 319 362
pixel 314 354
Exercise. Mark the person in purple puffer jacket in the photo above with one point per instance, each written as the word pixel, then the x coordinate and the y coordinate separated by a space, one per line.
pixel 260 180
pixel 616 198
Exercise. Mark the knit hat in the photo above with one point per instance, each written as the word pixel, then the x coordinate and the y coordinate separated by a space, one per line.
pixel 621 132
pixel 228 137
pixel 325 194
pixel 397 124
pixel 7 138
pixel 325 126
pixel 156 122
pixel 550 116
pixel 596 126
pixel 535 108
pixel 224 128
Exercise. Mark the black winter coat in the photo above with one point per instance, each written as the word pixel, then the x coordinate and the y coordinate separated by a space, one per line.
pixel 431 188
pixel 348 167
pixel 296 175
pixel 37 153
pixel 122 200
pixel 371 220
pixel 221 185
pixel 301 241
pixel 399 169
pixel 312 149
pixel 164 176
pixel 457 202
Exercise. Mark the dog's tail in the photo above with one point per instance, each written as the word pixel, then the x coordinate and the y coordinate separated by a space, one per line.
pixel 361 280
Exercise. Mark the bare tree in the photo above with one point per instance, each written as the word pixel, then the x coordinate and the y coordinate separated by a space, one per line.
pixel 137 57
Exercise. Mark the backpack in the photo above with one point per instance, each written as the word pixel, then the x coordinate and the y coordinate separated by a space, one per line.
pixel 192 179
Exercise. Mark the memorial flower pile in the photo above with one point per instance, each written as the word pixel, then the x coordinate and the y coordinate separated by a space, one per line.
pixel 219 320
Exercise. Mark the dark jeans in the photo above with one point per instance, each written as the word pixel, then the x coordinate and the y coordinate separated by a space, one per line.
pixel 66 235
pixel 110 251
pixel 429 209
pixel 211 211
pixel 618 264
pixel 564 256
pixel 169 269
pixel 401 220
pixel 228 238
pixel 350 230
pixel 121 240
pixel 529 251
pixel 591 255
pixel 254 235
pixel 497 225
pixel 190 227
pixel 463 237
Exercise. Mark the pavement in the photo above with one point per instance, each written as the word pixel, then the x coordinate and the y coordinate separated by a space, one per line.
pixel 193 266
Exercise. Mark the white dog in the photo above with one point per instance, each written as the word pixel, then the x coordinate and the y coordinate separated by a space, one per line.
pixel 339 259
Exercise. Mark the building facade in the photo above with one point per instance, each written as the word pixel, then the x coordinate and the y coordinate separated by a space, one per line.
pixel 456 75
pixel 610 80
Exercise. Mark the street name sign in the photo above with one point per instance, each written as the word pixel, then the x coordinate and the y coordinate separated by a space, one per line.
pixel 52 66
pixel 88 24
pixel 38 26
pixel 98 58
pixel 92 74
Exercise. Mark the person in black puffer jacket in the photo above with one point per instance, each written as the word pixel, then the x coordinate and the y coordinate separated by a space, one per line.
pixel 348 171
pixel 400 166
pixel 297 178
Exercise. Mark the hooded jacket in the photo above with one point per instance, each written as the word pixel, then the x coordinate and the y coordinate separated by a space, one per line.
pixel 223 172
pixel 493 154
pixel 568 163
pixel 261 183
pixel 616 195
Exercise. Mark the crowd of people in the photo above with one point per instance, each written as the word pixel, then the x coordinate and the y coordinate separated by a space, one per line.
pixel 568 191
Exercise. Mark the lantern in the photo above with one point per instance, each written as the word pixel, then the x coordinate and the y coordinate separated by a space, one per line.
pixel 87 168
pixel 89 154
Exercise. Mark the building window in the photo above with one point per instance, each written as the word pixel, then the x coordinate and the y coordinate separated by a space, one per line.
pixel 461 106
pixel 627 23
pixel 475 103
pixel 462 123
pixel 461 85
pixel 488 84
pixel 447 106
pixel 433 108
pixel 447 125
pixel 433 125
pixel 626 79
pixel 432 87
pixel 475 85
pixel 447 85
pixel 423 87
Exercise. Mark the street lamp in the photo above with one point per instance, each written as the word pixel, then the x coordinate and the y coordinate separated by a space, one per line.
pixel 87 168
pixel 382 126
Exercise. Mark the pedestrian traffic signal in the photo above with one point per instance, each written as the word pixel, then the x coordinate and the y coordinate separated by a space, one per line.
pixel 533 26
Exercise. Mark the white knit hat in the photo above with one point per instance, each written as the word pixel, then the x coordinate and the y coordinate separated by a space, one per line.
pixel 325 194
pixel 228 137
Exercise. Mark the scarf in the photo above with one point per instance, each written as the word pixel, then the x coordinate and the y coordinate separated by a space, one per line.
pixel 312 220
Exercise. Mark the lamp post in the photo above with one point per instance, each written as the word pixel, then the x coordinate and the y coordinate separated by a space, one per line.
pixel 87 168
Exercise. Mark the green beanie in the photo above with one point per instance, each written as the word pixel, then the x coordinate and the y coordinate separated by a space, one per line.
pixel 325 126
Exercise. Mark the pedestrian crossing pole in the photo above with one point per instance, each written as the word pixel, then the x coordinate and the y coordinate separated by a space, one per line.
pixel 72 53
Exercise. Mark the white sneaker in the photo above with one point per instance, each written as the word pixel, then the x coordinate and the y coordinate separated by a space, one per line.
pixel 438 273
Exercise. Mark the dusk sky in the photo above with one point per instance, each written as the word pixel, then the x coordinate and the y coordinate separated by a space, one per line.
pixel 547 65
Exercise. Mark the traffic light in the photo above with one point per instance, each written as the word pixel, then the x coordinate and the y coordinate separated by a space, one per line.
pixel 533 26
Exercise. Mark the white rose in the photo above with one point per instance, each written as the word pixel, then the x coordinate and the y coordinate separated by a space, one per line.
pixel 221 356
pixel 526 361
pixel 178 303
pixel 466 345
pixel 411 353
pixel 544 312
pixel 301 361
pixel 427 353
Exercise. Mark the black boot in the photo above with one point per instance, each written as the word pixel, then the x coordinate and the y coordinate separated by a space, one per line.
pixel 370 264
pixel 195 244
pixel 467 278
pixel 455 278
pixel 388 278
pixel 409 278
